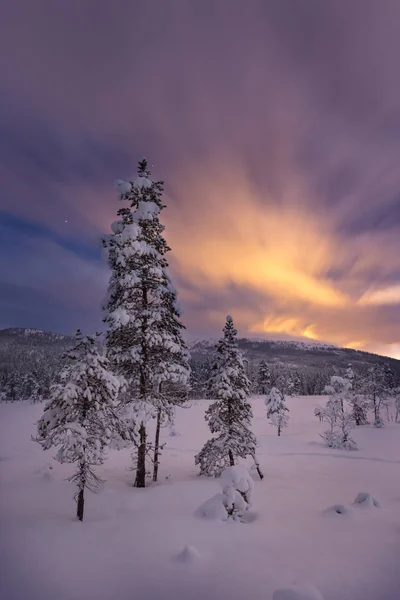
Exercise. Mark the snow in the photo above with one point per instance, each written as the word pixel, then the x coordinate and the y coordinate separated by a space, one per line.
pixel 126 545
pixel 188 555
pixel 212 509
pixel 339 511
pixel 142 182
pixel 366 500
pixel 298 592
pixel 145 210
pixel 123 187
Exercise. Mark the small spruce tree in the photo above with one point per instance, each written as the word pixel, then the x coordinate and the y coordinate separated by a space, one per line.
pixel 229 417
pixel 277 409
pixel 338 415
pixel 80 418
pixel 374 388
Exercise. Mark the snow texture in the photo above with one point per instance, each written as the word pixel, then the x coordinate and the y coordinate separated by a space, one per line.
pixel 188 555
pixel 213 508
pixel 366 500
pixel 124 548
pixel 339 510
pixel 298 592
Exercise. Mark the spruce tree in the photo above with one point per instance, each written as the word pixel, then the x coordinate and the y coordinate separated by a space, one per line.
pixel 357 400
pixel 337 414
pixel 229 417
pixel 264 380
pixel 374 387
pixel 277 409
pixel 80 418
pixel 144 337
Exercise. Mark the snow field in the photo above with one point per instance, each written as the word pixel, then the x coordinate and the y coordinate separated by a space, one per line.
pixel 152 544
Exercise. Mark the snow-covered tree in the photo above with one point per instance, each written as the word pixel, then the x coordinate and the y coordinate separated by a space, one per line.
pixel 396 393
pixel 338 415
pixel 229 417
pixel 356 398
pixel 144 337
pixel 374 388
pixel 277 409
pixel 264 382
pixel 80 418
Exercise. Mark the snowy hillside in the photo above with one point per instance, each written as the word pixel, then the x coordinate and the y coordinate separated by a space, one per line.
pixel 151 544
pixel 296 353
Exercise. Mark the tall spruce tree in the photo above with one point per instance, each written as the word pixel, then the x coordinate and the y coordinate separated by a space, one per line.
pixel 229 417
pixel 80 418
pixel 144 337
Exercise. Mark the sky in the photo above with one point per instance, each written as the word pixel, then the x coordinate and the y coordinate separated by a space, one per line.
pixel 275 125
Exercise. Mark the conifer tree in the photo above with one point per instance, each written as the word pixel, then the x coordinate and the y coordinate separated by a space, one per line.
pixel 337 414
pixel 264 378
pixel 144 337
pixel 374 387
pixel 357 400
pixel 277 409
pixel 229 417
pixel 80 418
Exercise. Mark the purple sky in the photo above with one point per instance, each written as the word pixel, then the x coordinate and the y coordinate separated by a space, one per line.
pixel 275 125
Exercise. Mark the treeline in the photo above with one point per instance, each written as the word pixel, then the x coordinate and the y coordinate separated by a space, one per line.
pixel 264 376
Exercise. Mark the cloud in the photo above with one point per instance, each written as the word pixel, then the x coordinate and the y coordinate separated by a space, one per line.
pixel 388 295
pixel 275 126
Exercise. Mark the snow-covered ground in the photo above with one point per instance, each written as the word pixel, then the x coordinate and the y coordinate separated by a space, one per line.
pixel 131 545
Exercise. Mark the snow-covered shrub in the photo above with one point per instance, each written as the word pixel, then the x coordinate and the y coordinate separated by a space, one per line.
pixel 237 488
pixel 318 412
pixel 276 409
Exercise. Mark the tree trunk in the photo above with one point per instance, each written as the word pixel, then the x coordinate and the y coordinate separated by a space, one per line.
pixel 279 429
pixel 257 464
pixel 231 460
pixel 80 505
pixel 140 480
pixel 157 446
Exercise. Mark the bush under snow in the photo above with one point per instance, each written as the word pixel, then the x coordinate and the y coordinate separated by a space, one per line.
pixel 237 488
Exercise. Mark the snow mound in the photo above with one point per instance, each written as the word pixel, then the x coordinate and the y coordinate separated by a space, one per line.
pixel 188 555
pixel 298 592
pixel 212 509
pixel 366 500
pixel 339 510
